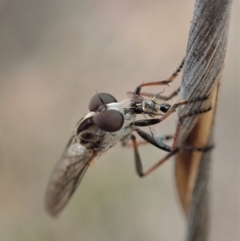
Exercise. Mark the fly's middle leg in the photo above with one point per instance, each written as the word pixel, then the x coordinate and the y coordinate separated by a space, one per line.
pixel 172 109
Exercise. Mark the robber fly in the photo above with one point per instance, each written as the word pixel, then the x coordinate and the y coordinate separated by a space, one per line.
pixel 107 123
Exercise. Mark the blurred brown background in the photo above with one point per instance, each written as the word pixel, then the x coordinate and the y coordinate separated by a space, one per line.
pixel 54 56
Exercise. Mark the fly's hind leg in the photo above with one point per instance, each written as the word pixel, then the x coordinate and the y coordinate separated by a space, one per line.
pixel 138 163
pixel 137 158
pixel 144 142
pixel 171 149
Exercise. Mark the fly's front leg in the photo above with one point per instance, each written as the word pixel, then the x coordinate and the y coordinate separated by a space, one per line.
pixel 161 82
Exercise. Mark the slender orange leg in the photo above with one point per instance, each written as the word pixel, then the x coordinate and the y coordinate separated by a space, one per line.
pixel 153 121
pixel 167 81
pixel 144 142
pixel 171 149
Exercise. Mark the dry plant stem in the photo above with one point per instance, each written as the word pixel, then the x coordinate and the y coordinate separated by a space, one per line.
pixel 203 64
pixel 187 163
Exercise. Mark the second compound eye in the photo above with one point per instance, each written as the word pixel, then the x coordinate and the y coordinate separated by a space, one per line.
pixel 100 99
pixel 109 120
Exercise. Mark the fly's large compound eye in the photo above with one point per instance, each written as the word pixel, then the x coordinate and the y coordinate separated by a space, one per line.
pixel 164 107
pixel 100 99
pixel 109 120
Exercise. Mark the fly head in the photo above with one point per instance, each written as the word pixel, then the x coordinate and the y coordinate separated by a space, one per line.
pixel 109 120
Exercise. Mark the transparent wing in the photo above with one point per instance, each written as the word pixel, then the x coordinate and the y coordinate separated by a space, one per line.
pixel 140 98
pixel 131 95
pixel 66 176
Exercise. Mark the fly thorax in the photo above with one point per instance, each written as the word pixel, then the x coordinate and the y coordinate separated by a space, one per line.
pixel 149 107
